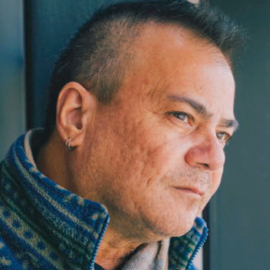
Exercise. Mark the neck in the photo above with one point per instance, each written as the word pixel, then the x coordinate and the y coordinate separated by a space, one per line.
pixel 114 250
pixel 51 162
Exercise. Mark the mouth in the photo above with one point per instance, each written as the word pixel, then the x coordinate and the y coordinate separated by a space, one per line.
pixel 191 190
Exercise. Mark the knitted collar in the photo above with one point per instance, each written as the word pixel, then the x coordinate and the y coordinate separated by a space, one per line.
pixel 73 225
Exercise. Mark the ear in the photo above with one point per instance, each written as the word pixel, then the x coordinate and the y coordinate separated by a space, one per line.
pixel 75 108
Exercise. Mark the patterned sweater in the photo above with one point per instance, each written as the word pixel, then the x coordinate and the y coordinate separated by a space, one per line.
pixel 44 226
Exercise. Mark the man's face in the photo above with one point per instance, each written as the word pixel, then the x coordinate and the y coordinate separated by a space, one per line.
pixel 157 152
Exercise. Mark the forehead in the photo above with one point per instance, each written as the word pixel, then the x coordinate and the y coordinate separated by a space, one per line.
pixel 170 60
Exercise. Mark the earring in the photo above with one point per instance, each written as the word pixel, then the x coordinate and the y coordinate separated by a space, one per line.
pixel 68 144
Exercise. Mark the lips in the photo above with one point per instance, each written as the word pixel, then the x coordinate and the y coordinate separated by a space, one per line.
pixel 193 190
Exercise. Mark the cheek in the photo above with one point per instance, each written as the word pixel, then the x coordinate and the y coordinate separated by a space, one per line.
pixel 139 150
pixel 164 156
pixel 145 154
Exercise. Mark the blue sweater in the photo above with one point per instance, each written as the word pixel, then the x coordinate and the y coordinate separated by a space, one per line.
pixel 44 226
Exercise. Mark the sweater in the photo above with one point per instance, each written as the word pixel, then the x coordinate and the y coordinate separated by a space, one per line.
pixel 44 226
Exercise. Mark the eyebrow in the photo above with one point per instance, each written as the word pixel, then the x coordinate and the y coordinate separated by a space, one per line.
pixel 201 109
pixel 230 123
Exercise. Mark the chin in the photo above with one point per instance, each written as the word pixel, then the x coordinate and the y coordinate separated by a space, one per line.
pixel 173 225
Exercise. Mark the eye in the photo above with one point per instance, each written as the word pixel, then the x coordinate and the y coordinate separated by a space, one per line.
pixel 182 116
pixel 223 137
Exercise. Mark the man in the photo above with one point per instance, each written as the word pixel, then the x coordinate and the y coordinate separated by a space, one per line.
pixel 140 111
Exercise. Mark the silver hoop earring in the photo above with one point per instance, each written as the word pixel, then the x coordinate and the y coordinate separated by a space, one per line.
pixel 68 144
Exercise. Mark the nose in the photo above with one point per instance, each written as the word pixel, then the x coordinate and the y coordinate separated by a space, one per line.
pixel 207 155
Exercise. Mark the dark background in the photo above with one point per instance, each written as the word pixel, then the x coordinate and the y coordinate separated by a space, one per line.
pixel 32 34
pixel 240 215
pixel 12 78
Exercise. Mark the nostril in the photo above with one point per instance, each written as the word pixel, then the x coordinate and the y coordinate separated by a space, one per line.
pixel 205 165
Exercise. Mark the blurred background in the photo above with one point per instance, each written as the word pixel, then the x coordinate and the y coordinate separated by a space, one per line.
pixel 33 33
